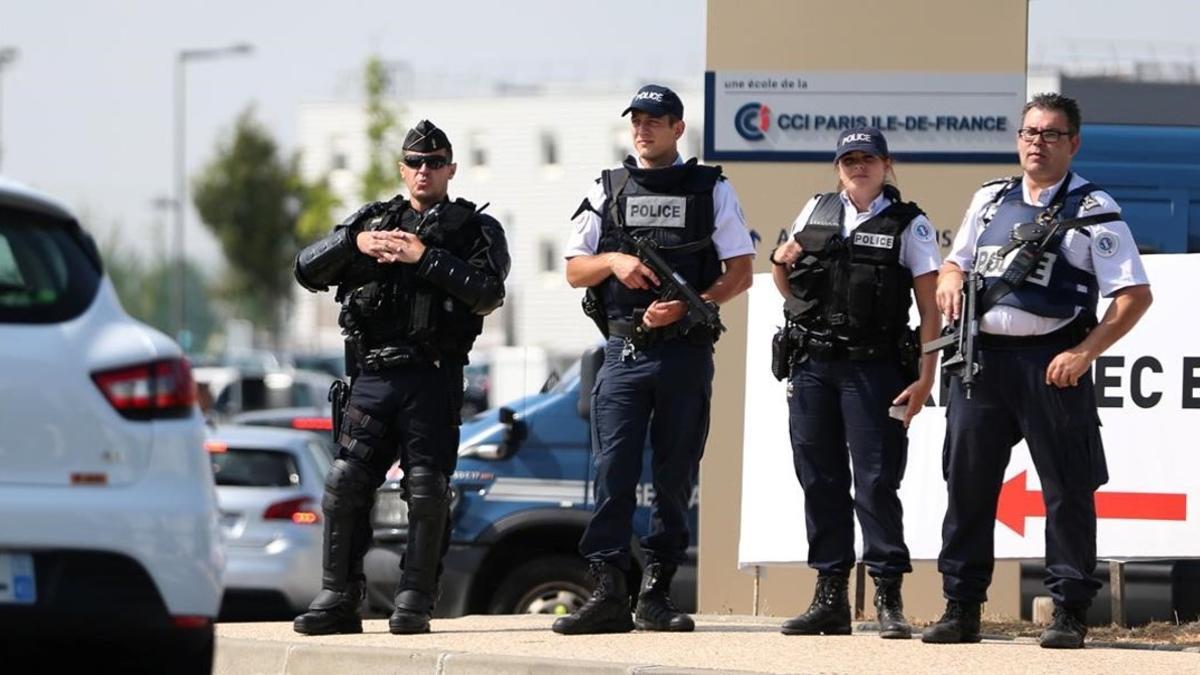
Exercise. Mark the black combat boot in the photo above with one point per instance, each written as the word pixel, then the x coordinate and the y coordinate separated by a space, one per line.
pixel 655 611
pixel 607 611
pixel 829 612
pixel 428 516
pixel 333 612
pixel 1067 629
pixel 347 533
pixel 959 623
pixel 889 609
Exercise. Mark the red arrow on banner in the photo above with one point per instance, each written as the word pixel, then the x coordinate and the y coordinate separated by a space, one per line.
pixel 1016 504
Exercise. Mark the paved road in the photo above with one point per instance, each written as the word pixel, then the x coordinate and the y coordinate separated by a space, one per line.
pixel 525 644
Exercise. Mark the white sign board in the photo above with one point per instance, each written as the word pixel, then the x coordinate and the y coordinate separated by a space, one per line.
pixel 1148 388
pixel 926 117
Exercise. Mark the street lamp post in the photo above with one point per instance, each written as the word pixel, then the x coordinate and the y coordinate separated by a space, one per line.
pixel 7 56
pixel 182 58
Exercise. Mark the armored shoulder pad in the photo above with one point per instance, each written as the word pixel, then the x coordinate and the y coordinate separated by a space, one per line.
pixel 368 210
pixel 1001 181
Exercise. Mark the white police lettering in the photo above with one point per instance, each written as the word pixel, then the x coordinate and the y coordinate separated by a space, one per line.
pixel 857 138
pixel 986 261
pixel 652 95
pixel 642 211
pixel 873 240
pixel 1041 274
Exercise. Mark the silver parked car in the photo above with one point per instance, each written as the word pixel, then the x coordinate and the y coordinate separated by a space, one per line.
pixel 269 488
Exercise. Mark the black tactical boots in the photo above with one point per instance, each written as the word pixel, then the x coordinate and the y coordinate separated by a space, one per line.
pixel 655 611
pixel 607 611
pixel 889 609
pixel 829 612
pixel 959 623
pixel 1067 629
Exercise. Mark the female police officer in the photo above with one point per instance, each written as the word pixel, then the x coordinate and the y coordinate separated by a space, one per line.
pixel 847 274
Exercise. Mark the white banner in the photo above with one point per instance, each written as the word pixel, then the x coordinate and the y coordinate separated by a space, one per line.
pixel 1148 388
pixel 926 117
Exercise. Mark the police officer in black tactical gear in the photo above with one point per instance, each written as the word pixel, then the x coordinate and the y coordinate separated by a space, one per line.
pixel 1037 341
pixel 658 367
pixel 415 278
pixel 855 374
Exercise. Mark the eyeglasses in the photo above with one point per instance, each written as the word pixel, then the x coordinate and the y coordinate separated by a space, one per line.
pixel 1029 134
pixel 434 162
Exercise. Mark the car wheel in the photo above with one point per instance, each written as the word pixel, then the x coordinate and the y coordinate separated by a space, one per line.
pixel 556 584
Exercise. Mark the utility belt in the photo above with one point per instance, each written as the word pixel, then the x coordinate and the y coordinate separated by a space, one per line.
pixel 373 360
pixel 1068 336
pixel 631 330
pixel 792 344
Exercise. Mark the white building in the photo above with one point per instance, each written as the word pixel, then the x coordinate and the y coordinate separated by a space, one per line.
pixel 532 156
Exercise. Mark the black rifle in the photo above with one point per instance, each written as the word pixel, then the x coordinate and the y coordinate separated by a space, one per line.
pixel 672 286
pixel 1030 240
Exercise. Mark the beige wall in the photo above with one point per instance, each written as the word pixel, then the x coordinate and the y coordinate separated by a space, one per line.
pixel 869 35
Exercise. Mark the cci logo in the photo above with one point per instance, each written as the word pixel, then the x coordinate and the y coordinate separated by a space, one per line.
pixel 752 121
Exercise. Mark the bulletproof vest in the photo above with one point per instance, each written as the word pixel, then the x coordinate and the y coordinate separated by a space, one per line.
pixel 853 289
pixel 397 308
pixel 673 207
pixel 1055 288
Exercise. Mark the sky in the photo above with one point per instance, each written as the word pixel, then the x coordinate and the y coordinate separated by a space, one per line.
pixel 86 110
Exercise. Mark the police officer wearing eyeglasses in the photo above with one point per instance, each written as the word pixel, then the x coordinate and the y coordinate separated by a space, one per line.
pixel 855 375
pixel 663 383
pixel 1038 339
pixel 415 276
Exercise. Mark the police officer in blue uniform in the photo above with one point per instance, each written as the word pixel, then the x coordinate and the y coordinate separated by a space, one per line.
pixel 848 275
pixel 1037 345
pixel 415 277
pixel 663 380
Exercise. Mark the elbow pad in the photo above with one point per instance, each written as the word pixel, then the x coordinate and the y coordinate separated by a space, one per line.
pixel 479 289
pixel 319 264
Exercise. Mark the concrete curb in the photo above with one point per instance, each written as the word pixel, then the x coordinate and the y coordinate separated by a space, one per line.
pixel 239 656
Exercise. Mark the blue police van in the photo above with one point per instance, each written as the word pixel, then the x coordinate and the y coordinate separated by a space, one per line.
pixel 522 496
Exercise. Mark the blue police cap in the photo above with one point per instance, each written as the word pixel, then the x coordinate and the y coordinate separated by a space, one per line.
pixel 861 139
pixel 656 100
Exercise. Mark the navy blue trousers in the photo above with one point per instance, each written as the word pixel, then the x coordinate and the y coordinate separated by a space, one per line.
pixel 838 418
pixel 1011 401
pixel 665 389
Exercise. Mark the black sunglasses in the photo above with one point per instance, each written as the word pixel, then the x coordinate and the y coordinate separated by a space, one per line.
pixel 434 162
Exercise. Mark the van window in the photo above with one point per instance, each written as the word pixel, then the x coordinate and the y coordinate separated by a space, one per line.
pixel 245 467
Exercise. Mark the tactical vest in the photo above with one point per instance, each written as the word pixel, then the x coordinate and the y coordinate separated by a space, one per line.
pixel 398 309
pixel 853 292
pixel 672 206
pixel 1056 288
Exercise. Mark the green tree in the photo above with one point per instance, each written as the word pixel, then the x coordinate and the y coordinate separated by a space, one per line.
pixel 251 199
pixel 379 178
pixel 320 203
pixel 145 291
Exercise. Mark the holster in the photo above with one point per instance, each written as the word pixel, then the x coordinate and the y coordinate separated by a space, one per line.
pixel 910 355
pixel 781 354
pixel 593 308
pixel 339 396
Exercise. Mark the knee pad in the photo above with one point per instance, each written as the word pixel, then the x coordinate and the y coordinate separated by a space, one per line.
pixel 427 492
pixel 348 488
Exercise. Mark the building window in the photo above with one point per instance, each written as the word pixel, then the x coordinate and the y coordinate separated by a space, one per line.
pixel 549 148
pixel 479 152
pixel 548 255
pixel 337 154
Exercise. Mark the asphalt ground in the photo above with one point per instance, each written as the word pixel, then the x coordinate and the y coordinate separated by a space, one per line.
pixel 525 644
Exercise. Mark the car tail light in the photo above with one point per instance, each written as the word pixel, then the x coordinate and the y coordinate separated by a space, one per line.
pixel 156 390
pixel 301 511
pixel 313 423
pixel 187 621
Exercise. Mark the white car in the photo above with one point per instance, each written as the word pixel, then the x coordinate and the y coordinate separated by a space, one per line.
pixel 108 518
pixel 270 483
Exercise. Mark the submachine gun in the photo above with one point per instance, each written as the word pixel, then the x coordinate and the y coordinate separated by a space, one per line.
pixel 672 286
pixel 1030 241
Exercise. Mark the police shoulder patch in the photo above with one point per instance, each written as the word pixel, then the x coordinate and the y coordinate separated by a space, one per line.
pixel 923 231
pixel 1091 201
pixel 1106 244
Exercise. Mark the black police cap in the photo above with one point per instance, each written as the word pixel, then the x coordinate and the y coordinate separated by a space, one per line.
pixel 426 137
